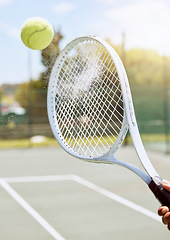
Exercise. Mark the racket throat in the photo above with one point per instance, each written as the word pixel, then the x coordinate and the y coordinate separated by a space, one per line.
pixel 112 160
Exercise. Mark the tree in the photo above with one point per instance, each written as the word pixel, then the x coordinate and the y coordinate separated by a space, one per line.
pixel 49 56
pixel 33 95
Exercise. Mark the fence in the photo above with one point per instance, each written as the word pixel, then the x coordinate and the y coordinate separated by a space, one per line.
pixel 152 108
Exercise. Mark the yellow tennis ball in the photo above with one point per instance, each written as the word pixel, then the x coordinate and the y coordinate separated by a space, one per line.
pixel 37 33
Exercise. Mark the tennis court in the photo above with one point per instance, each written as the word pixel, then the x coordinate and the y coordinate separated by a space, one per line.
pixel 47 194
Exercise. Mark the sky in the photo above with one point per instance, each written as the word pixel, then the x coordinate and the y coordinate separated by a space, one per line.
pixel 146 24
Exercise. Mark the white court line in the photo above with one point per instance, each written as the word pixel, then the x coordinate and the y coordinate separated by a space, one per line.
pixel 40 178
pixel 117 198
pixel 31 211
pixel 90 185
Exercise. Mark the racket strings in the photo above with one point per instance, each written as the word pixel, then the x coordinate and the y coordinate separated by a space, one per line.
pixel 97 121
pixel 116 96
pixel 74 68
pixel 89 102
pixel 78 145
pixel 104 104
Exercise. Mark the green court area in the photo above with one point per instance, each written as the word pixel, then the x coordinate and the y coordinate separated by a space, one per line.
pixel 47 194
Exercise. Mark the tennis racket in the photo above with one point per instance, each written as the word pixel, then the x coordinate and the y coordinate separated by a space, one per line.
pixel 90 108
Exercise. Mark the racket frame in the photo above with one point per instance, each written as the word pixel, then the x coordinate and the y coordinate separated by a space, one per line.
pixel 129 119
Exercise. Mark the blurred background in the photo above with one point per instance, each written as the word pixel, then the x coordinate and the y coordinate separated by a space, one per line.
pixel 139 30
pixel 41 177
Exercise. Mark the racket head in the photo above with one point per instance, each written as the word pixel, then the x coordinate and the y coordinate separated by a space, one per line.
pixel 85 99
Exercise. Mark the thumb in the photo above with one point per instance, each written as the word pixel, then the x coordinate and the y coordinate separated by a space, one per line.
pixel 166 185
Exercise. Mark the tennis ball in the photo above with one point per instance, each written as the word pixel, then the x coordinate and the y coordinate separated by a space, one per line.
pixel 37 33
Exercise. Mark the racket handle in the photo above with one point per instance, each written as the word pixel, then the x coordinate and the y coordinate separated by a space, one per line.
pixel 160 193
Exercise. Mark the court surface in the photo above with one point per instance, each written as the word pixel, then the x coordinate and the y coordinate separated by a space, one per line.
pixel 47 194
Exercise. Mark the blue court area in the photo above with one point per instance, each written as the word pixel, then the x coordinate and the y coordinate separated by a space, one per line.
pixel 47 194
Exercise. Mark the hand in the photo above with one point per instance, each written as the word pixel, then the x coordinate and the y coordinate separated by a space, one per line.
pixel 164 211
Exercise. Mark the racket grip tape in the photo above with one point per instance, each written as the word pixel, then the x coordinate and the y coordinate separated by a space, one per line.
pixel 160 193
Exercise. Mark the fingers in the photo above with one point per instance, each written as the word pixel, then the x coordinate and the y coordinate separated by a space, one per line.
pixel 166 218
pixel 169 226
pixel 163 210
pixel 166 185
